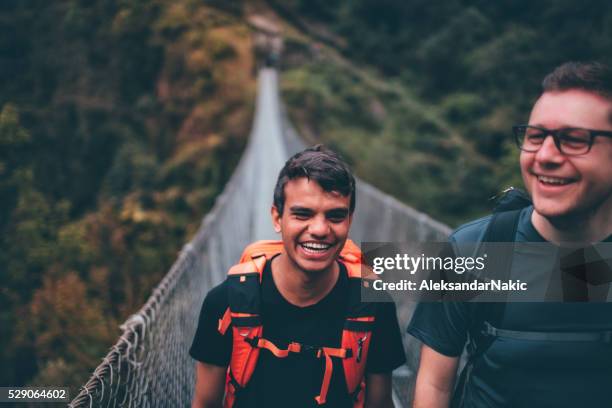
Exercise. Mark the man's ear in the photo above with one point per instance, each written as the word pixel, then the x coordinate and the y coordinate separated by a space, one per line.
pixel 276 218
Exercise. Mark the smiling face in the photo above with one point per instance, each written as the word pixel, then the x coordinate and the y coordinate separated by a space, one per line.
pixel 570 186
pixel 314 225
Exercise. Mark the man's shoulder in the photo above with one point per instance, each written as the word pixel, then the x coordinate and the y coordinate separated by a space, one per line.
pixel 217 297
pixel 472 231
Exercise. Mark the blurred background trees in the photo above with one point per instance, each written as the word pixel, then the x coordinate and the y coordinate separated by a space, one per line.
pixel 120 122
pixel 422 95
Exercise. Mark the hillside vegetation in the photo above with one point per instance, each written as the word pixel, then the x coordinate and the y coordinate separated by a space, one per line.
pixel 120 123
pixel 421 95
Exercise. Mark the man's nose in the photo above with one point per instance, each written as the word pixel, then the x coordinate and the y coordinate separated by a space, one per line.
pixel 549 152
pixel 319 226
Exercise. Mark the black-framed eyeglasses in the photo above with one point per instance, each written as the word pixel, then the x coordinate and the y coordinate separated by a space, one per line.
pixel 569 141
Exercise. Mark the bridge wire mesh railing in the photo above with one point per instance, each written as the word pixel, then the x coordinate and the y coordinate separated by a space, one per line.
pixel 149 365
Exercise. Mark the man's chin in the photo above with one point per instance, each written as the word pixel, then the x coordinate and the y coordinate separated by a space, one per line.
pixel 315 268
pixel 561 216
pixel 550 212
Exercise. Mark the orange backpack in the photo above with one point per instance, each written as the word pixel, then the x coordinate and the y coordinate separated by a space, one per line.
pixel 243 314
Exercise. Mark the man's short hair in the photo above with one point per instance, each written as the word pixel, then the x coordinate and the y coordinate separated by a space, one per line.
pixel 593 77
pixel 320 164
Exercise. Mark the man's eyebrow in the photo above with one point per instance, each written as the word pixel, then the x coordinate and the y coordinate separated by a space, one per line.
pixel 338 211
pixel 297 208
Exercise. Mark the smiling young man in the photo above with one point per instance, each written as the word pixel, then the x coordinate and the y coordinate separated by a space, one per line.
pixel 311 345
pixel 535 354
pixel 571 188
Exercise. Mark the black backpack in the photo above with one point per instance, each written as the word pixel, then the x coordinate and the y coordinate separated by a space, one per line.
pixel 502 228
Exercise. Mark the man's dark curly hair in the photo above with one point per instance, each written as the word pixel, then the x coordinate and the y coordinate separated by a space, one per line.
pixel 320 164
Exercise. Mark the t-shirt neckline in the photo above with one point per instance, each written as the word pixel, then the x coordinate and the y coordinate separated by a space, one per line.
pixel 271 294
pixel 527 232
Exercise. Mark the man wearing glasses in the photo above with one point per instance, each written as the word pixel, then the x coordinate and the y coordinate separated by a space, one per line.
pixel 545 354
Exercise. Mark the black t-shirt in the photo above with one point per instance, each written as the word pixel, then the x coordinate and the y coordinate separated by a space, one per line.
pixel 294 381
pixel 524 373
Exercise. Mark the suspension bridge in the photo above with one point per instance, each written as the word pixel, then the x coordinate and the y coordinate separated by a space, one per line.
pixel 149 366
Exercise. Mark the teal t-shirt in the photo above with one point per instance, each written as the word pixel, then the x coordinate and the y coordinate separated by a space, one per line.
pixel 523 373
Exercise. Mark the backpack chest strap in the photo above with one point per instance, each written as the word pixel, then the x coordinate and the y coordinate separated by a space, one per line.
pixel 296 348
pixel 603 336
pixel 262 343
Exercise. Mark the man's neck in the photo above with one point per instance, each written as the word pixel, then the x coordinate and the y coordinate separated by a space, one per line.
pixel 585 228
pixel 302 288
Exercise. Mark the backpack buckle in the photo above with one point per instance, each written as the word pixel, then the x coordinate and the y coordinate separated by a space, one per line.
pixel 314 350
pixel 252 341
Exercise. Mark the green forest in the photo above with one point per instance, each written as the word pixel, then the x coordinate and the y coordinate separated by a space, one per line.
pixel 119 125
pixel 421 95
pixel 121 120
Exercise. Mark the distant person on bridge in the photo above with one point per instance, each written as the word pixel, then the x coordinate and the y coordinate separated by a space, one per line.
pixel 535 354
pixel 288 321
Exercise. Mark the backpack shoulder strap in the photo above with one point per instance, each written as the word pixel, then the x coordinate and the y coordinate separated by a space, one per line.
pixel 502 228
pixel 244 315
pixel 359 323
pixel 266 248
pixel 253 266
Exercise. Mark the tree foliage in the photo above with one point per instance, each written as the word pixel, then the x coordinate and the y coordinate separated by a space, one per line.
pixel 118 127
pixel 460 72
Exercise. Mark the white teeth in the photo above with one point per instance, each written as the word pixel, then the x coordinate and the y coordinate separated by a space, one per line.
pixel 315 246
pixel 553 180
